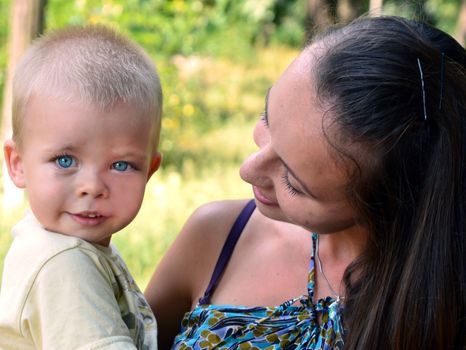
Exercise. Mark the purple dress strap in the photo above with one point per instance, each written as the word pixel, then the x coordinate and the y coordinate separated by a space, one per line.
pixel 227 249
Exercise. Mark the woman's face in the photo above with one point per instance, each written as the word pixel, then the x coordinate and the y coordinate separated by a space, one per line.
pixel 293 175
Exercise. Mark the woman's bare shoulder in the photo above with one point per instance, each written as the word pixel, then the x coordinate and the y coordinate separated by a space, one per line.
pixel 201 239
pixel 190 259
pixel 215 218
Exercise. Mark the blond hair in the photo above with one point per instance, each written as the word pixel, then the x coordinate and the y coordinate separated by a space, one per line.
pixel 93 64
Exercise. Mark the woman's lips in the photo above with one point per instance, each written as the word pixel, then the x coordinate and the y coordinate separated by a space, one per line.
pixel 263 199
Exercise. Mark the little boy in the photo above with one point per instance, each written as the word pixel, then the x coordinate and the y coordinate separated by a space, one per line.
pixel 86 123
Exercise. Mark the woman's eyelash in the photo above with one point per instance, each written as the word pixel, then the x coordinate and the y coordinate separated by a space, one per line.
pixel 263 117
pixel 293 191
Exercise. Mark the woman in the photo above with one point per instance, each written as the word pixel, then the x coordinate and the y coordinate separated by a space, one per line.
pixel 362 145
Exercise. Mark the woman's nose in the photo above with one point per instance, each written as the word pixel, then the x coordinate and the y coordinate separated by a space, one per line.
pixel 258 168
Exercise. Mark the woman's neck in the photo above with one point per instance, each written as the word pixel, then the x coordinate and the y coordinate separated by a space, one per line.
pixel 344 246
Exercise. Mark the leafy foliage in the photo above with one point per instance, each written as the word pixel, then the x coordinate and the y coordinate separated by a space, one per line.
pixel 228 27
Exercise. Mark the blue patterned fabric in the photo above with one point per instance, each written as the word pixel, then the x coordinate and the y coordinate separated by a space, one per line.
pixel 298 323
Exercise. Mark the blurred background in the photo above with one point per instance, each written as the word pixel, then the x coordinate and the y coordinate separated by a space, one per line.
pixel 216 59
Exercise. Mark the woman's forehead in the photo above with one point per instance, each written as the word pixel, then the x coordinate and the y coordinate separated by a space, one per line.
pixel 292 99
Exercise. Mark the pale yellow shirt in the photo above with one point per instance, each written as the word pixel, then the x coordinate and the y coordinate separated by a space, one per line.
pixel 60 292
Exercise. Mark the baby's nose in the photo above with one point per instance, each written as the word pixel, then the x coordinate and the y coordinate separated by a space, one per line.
pixel 92 184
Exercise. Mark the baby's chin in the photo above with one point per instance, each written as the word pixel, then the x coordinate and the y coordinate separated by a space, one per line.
pixel 89 236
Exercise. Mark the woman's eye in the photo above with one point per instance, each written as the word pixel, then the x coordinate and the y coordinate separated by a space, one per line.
pixel 65 161
pixel 286 182
pixel 121 166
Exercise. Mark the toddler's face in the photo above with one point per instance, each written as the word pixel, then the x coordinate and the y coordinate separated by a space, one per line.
pixel 85 170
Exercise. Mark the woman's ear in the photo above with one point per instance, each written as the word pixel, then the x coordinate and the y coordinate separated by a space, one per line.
pixel 14 163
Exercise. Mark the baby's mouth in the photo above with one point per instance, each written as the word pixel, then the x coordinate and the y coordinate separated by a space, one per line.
pixel 88 214
pixel 88 218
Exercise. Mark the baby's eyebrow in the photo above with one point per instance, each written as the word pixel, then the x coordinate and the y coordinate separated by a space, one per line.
pixel 129 152
pixel 62 148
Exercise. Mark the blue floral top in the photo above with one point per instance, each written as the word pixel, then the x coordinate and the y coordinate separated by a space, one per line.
pixel 298 323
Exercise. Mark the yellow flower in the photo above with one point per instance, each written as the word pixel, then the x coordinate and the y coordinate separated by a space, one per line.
pixel 188 110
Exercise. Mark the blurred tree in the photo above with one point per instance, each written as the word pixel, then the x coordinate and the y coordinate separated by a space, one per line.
pixel 375 7
pixel 347 10
pixel 323 13
pixel 26 23
pixel 320 14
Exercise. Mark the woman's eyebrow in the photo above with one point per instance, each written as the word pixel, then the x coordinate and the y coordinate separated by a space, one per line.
pixel 267 106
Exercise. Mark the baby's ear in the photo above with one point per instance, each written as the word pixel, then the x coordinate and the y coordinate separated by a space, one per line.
pixel 154 164
pixel 14 163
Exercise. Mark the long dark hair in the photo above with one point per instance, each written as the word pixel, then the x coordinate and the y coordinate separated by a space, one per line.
pixel 395 90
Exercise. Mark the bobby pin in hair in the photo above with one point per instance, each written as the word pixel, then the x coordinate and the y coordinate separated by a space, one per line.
pixel 423 88
pixel 442 72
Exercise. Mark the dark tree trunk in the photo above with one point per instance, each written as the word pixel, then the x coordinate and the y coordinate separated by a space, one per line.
pixel 26 23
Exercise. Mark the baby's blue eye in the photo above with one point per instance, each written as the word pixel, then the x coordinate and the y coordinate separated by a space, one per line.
pixel 64 161
pixel 120 166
